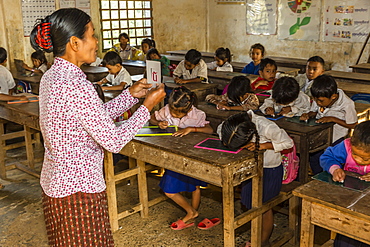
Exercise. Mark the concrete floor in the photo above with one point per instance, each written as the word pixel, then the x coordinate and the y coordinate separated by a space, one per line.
pixel 22 221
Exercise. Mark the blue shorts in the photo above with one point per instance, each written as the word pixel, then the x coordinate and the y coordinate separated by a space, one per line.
pixel 272 181
pixel 173 182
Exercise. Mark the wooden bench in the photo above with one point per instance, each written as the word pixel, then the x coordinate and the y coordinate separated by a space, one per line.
pixel 361 68
pixel 350 77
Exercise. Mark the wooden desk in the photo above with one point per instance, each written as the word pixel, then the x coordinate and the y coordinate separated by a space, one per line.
pixel 308 139
pixel 206 56
pixel 332 207
pixel 222 78
pixel 239 66
pixel 134 67
pixel 94 73
pixel 174 59
pixel 292 62
pixel 361 68
pixel 26 114
pixel 34 80
pixel 179 155
pixel 349 77
pixel 363 111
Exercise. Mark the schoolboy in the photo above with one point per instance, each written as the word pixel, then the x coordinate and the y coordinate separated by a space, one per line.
pixel 192 69
pixel 6 79
pixel 330 105
pixel 118 76
pixel 286 99
pixel 267 74
pixel 314 68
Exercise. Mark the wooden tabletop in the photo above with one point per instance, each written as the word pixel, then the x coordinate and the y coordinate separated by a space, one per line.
pixel 35 78
pixel 134 63
pixel 94 69
pixel 361 66
pixel 23 113
pixel 353 76
pixel 183 52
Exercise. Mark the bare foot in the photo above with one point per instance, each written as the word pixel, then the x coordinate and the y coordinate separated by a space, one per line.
pixel 190 216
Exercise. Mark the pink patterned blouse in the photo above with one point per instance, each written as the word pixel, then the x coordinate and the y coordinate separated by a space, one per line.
pixel 76 125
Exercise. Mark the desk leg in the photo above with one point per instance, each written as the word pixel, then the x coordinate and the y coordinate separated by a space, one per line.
pixel 29 147
pixel 143 189
pixel 2 152
pixel 305 160
pixel 257 189
pixel 111 190
pixel 228 207
pixel 307 229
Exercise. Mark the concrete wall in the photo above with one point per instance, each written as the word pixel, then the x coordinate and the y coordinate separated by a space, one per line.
pixel 182 25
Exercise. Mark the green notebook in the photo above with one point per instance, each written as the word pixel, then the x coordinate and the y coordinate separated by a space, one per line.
pixel 156 131
pixel 350 182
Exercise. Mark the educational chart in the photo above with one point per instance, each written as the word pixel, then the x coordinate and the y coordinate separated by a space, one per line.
pixel 299 19
pixel 261 17
pixel 33 10
pixel 83 5
pixel 346 21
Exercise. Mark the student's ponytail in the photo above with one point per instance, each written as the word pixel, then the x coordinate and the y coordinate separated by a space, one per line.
pixel 52 33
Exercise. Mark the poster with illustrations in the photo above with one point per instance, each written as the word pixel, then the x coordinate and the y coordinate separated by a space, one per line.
pixel 346 21
pixel 299 20
pixel 261 17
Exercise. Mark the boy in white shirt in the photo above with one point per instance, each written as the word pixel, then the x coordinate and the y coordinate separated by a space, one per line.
pixel 118 76
pixel 6 79
pixel 286 99
pixel 331 105
pixel 314 68
pixel 192 69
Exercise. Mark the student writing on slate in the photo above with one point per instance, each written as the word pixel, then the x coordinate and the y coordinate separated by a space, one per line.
pixel 330 105
pixel 286 99
pixel 181 111
pixel 76 126
pixel 192 69
pixel 352 154
pixel 222 60
pixel 267 74
pixel 254 133
pixel 314 68
pixel 257 52
pixel 118 76
pixel 239 96
pixel 6 79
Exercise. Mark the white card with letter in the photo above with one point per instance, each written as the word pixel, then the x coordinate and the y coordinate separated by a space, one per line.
pixel 153 72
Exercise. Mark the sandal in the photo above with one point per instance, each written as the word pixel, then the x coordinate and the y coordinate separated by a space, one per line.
pixel 180 224
pixel 208 223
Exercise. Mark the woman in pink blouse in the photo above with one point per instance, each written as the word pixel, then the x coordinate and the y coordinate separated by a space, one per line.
pixel 76 126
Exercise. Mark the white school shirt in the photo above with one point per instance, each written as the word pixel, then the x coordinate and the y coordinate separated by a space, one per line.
pixel 343 108
pixel 6 80
pixel 304 83
pixel 225 67
pixel 43 67
pixel 199 71
pixel 269 131
pixel 299 106
pixel 123 76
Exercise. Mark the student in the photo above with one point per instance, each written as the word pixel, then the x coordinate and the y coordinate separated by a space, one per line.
pixel 352 154
pixel 255 133
pixel 238 97
pixel 286 99
pixel 124 50
pixel 40 64
pixel 146 45
pixel 267 74
pixel 76 126
pixel 314 68
pixel 153 54
pixel 222 60
pixel 330 105
pixel 257 52
pixel 180 111
pixel 192 69
pixel 118 76
pixel 6 79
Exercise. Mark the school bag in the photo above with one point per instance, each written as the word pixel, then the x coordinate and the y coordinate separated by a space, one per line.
pixel 23 87
pixel 290 162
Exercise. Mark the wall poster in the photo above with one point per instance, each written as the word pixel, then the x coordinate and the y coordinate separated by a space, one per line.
pixel 261 17
pixel 33 10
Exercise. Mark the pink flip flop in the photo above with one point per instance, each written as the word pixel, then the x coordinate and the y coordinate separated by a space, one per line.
pixel 180 224
pixel 208 223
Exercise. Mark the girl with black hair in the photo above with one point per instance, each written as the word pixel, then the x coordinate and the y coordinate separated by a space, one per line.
pixel 239 96
pixel 258 133
pixel 222 60
pixel 77 126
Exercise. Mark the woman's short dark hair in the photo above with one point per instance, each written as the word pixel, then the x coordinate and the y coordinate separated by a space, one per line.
pixel 193 56
pixel 111 58
pixel 361 136
pixel 285 90
pixel 238 87
pixel 55 30
pixel 324 86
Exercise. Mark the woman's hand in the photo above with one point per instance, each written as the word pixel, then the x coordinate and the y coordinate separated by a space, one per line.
pixel 155 96
pixel 140 88
pixel 339 175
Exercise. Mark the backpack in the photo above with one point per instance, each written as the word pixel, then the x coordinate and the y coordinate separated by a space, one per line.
pixel 23 87
pixel 290 162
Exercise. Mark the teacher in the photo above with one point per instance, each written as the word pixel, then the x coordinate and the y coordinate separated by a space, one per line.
pixel 76 125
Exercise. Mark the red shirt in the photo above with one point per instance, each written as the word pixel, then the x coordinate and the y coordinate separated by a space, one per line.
pixel 268 87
